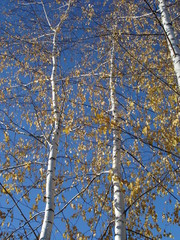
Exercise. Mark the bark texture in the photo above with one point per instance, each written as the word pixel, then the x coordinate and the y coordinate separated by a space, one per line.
pixel 49 210
pixel 171 38
pixel 120 226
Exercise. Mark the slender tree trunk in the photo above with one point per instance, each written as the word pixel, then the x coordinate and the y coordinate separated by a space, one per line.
pixel 49 210
pixel 120 227
pixel 171 38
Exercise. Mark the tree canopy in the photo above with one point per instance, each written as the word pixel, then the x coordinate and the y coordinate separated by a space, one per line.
pixel 89 101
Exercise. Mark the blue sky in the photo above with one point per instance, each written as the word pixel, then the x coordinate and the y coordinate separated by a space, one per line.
pixel 79 51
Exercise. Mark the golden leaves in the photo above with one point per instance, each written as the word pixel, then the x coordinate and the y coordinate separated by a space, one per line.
pixel 91 145
pixel 41 170
pixel 128 163
pixel 103 129
pixel 38 198
pixel 67 130
pixel 73 206
pixel 101 118
pixel 145 130
pixel 176 122
pixel 109 177
pixel 28 166
pixel 135 189
pixel 131 104
pixel 6 137
pixel 77 73
pixel 26 197
pixel 103 122
pixel 35 207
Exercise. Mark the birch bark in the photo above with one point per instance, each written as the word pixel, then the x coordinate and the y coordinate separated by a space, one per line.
pixel 49 210
pixel 48 220
pixel 120 228
pixel 171 40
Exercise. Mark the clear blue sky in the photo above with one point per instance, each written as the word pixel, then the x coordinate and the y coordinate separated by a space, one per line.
pixel 71 55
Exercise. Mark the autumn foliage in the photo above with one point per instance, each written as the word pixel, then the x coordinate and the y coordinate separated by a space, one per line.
pixel 56 108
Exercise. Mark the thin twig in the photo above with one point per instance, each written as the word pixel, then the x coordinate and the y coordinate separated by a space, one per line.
pixel 45 13
pixel 7 192
pixel 78 194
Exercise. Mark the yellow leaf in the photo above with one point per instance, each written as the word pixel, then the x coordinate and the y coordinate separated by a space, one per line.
pixel 113 123
pixel 103 129
pixel 137 180
pixel 77 73
pixel 109 177
pixel 175 122
pixel 169 219
pixel 131 104
pixel 145 130
pixel 175 143
pixel 34 207
pixel 41 171
pixel 28 166
pixel 66 130
pixel 130 186
pixel 128 162
pixel 178 149
pixel 89 209
pixel 6 136
pixel 73 206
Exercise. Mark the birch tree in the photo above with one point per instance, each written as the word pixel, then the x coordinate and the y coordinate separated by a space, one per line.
pixel 171 38
pixel 33 74
pixel 100 100
pixel 49 211
pixel 119 209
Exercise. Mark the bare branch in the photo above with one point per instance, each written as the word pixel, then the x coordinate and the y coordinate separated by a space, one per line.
pixel 7 192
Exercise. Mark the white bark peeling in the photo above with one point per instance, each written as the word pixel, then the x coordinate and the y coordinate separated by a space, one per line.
pixel 171 40
pixel 120 226
pixel 49 210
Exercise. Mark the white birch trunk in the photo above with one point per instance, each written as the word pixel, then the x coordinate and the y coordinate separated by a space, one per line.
pixel 120 226
pixel 171 40
pixel 48 220
pixel 49 210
